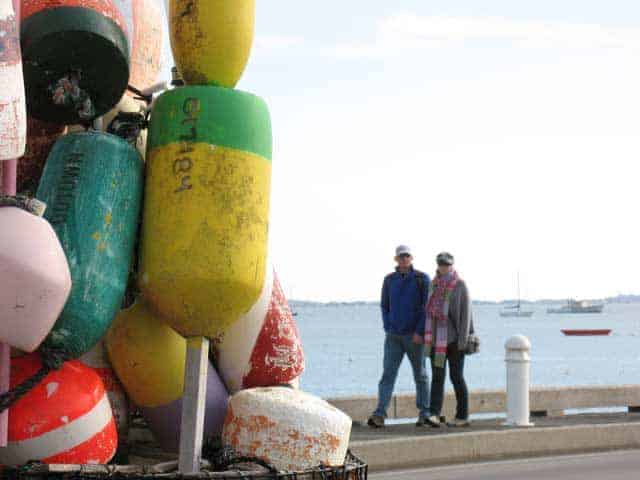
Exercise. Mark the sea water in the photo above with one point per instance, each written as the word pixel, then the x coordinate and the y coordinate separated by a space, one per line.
pixel 343 347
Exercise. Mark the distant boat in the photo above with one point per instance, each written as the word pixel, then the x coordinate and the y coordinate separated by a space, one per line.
pixel 585 333
pixel 515 311
pixel 582 306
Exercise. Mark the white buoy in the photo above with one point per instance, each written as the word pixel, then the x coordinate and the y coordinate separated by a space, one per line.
pixel 287 428
pixel 518 362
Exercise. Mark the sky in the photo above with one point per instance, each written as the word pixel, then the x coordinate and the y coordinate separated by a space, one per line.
pixel 507 133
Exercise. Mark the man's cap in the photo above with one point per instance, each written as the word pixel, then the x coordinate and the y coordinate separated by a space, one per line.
pixel 444 258
pixel 402 250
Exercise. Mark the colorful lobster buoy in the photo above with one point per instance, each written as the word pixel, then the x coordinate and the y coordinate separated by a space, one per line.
pixel 76 58
pixel 289 429
pixel 145 24
pixel 211 39
pixel 263 348
pixel 93 185
pixel 13 118
pixel 206 215
pixel 97 360
pixel 35 278
pixel 149 358
pixel 66 418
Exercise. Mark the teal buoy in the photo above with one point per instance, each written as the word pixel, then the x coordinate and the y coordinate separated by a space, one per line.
pixel 92 184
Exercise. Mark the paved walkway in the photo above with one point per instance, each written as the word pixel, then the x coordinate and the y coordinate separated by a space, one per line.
pixel 364 433
pixel 607 466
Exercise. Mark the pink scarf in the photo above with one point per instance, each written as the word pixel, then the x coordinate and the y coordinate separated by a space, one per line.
pixel 440 292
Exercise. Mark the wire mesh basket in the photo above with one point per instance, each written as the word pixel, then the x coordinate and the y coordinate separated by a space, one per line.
pixel 353 469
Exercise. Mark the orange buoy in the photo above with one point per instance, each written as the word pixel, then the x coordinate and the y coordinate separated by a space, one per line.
pixel 98 360
pixel 66 418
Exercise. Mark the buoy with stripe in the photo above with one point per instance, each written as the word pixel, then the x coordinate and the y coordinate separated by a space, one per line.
pixel 206 213
pixel 66 418
pixel 287 428
pixel 146 24
pixel 262 349
pixel 13 117
pixel 149 359
pixel 34 278
pixel 97 360
pixel 211 39
pixel 76 58
pixel 92 184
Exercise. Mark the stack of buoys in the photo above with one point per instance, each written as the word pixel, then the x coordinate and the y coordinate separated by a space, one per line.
pixel 149 358
pixel 203 268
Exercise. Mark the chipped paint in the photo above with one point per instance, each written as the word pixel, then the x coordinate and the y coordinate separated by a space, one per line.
pixel 290 429
pixel 73 426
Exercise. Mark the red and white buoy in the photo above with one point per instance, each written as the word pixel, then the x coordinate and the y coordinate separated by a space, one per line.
pixel 262 349
pixel 66 418
pixel 98 360
pixel 13 116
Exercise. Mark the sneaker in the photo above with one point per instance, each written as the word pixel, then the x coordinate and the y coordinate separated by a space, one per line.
pixel 432 421
pixel 422 421
pixel 375 421
pixel 459 423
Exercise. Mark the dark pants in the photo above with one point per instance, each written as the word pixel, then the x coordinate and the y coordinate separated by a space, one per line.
pixel 455 359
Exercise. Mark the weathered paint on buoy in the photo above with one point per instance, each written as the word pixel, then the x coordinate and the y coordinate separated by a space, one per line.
pixel 263 348
pixel 206 214
pixel 34 278
pixel 277 356
pixel 13 117
pixel 211 39
pixel 149 358
pixel 289 429
pixel 93 185
pixel 144 20
pixel 75 56
pixel 66 418
pixel 97 360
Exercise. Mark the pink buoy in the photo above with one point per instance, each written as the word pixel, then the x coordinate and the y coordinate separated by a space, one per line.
pixel 13 117
pixel 66 418
pixel 34 278
pixel 263 348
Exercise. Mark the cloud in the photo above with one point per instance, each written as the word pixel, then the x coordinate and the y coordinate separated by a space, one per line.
pixel 402 32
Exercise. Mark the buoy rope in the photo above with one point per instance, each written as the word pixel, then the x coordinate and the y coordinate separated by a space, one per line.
pixel 31 205
pixel 223 457
pixel 52 359
pixel 66 92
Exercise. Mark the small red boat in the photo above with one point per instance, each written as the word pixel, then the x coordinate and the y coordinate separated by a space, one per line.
pixel 584 333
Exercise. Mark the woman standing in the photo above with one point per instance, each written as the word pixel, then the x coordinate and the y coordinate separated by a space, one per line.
pixel 449 323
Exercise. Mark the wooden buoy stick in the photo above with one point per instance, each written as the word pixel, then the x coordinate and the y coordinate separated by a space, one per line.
pixel 193 405
pixel 9 169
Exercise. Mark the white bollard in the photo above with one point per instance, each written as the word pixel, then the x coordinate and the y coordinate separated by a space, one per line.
pixel 518 362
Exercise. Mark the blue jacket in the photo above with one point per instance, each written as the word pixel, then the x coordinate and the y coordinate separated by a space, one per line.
pixel 403 304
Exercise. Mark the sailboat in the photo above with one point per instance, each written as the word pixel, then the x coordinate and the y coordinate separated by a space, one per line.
pixel 516 310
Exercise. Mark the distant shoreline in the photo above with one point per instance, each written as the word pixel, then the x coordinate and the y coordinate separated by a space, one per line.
pixel 620 299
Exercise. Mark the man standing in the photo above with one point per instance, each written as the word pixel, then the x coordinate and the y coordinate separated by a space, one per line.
pixel 404 295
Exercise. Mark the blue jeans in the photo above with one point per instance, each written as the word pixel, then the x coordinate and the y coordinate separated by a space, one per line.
pixel 395 347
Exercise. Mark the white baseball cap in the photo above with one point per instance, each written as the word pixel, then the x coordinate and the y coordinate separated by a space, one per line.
pixel 403 250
